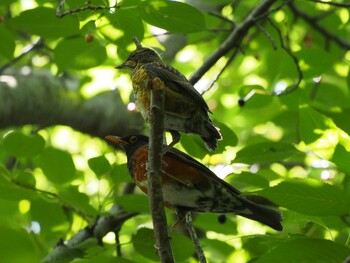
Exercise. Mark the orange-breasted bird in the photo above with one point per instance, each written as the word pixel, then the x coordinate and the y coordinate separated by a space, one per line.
pixel 185 109
pixel 188 185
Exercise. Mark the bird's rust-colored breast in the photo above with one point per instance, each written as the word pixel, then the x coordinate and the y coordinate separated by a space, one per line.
pixel 174 172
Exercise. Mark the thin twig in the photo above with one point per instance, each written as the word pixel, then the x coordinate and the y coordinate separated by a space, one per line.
pixel 233 40
pixel 61 14
pixel 229 61
pixel 313 23
pixel 295 59
pixel 268 35
pixel 154 173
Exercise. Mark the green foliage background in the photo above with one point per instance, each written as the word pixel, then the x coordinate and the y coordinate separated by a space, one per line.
pixel 288 143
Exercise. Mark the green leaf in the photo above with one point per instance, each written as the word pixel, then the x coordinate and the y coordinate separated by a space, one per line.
pixel 20 145
pixel 57 165
pixel 210 222
pixel 81 201
pixel 42 21
pixel 7 43
pixel 172 16
pixel 229 137
pixel 218 250
pixel 310 197
pixel 306 250
pixel 11 191
pixel 182 246
pixel 193 145
pixel 341 159
pixel 249 179
pixel 312 124
pixel 120 174
pixel 25 178
pixel 128 20
pixel 99 165
pixel 78 54
pixel 316 60
pixel 27 250
pixel 143 242
pixel 49 215
pixel 265 152
pixel 133 203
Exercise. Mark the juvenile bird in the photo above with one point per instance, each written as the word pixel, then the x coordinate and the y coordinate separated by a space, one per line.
pixel 185 109
pixel 188 185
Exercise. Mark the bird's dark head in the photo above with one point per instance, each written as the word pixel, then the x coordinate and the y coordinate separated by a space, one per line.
pixel 141 55
pixel 128 143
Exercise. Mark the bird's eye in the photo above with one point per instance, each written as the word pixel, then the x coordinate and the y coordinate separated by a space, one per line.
pixel 133 139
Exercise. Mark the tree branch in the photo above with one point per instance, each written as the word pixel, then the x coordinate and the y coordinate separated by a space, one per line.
pixel 154 170
pixel 61 14
pixel 234 39
pixel 313 23
pixel 40 99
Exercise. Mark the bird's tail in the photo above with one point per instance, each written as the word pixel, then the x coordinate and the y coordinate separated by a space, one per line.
pixel 262 213
pixel 211 141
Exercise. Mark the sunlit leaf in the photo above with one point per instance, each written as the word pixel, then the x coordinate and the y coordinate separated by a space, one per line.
pixel 311 124
pixel 307 250
pixel 42 21
pixel 265 152
pixel 310 197
pixel 76 53
pixel 172 16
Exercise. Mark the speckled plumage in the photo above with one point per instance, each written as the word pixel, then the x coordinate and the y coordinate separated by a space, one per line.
pixel 185 109
pixel 190 186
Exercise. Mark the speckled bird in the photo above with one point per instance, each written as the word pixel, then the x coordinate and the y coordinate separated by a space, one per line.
pixel 188 185
pixel 185 109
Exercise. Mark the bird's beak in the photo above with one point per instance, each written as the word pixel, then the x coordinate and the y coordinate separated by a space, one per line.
pixel 128 64
pixel 116 141
pixel 121 66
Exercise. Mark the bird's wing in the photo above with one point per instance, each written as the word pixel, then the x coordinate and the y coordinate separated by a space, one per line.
pixel 174 153
pixel 174 80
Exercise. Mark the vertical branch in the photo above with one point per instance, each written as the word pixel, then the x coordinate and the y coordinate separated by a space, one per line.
pixel 155 195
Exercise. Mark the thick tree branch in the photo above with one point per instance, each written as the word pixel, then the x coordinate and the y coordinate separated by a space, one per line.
pixel 313 23
pixel 234 39
pixel 69 250
pixel 40 99
pixel 154 169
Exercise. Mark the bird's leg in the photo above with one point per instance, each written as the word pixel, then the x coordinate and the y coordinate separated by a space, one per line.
pixel 180 214
pixel 175 135
pixel 192 231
